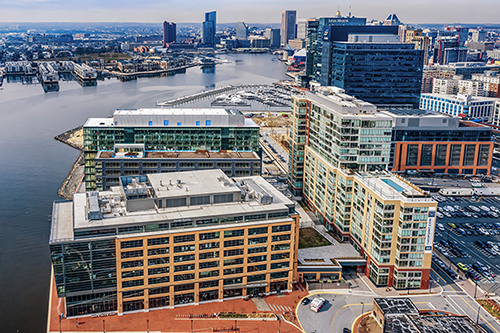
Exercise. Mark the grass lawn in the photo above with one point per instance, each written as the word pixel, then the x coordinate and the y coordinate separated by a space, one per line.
pixel 309 237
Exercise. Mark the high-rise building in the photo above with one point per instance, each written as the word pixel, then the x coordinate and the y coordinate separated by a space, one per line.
pixel 288 19
pixel 302 29
pixel 345 131
pixel 274 36
pixel 169 33
pixel 478 35
pixel 172 239
pixel 336 140
pixel 209 28
pixel 448 50
pixel 241 30
pixel 392 19
pixel 166 130
pixel 378 69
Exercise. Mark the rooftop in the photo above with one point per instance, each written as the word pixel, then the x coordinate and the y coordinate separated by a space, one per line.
pixel 445 324
pixel 136 203
pixel 461 98
pixel 182 155
pixel 391 306
pixel 323 255
pixel 161 117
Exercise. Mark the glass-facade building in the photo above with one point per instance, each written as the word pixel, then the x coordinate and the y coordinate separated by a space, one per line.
pixel 183 130
pixel 379 73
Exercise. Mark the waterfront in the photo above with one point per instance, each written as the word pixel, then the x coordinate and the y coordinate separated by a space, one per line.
pixel 34 165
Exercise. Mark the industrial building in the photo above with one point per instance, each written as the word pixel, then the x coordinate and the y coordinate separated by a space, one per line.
pixel 165 240
pixel 167 130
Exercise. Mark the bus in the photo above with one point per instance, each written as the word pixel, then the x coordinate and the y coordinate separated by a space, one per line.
pixel 317 303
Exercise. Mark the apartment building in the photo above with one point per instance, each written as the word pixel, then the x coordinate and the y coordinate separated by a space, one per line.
pixel 390 221
pixel 170 239
pixel 347 132
pixel 167 130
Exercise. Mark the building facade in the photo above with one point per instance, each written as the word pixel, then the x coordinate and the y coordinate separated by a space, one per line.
pixel 378 72
pixel 390 221
pixel 440 144
pixel 288 20
pixel 347 132
pixel 274 36
pixel 169 33
pixel 168 130
pixel 209 28
pixel 146 244
pixel 478 108
pixel 110 166
pixel 241 30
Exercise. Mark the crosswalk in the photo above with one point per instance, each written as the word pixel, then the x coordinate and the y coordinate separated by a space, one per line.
pixel 280 308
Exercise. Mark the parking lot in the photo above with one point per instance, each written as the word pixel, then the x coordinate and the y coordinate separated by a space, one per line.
pixel 470 236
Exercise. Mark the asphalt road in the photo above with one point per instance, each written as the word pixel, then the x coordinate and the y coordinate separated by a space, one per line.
pixel 467 242
pixel 343 307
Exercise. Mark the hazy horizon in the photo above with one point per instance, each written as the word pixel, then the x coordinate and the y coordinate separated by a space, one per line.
pixel 265 12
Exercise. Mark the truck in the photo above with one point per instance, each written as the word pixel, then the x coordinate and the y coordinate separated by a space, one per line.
pixel 317 303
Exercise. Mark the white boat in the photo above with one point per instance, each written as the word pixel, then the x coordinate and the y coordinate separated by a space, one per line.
pixel 486 209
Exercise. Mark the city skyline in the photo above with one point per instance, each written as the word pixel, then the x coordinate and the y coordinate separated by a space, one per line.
pixel 257 11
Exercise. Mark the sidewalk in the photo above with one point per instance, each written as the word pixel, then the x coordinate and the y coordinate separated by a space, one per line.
pixel 391 292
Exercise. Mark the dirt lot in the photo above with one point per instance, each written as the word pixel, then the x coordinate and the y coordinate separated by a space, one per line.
pixel 273 121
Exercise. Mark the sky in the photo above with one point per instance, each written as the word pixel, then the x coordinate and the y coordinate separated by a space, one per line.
pixel 250 11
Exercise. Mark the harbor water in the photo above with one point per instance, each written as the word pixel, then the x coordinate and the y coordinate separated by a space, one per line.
pixel 33 165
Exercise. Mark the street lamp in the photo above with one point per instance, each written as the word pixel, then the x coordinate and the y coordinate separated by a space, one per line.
pixel 103 326
pixel 475 289
pixel 477 319
pixel 60 317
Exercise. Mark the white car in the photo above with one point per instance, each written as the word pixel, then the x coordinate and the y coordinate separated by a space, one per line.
pixel 440 226
pixel 439 215
pixel 486 209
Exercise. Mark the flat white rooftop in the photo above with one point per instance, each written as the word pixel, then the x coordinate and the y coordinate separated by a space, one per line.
pixel 164 111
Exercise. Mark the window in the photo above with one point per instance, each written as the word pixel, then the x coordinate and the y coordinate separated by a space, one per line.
pixel 185 248
pixel 158 251
pixel 186 165
pixel 181 224
pixel 253 278
pixel 209 255
pixel 208 264
pixel 132 283
pixel 158 280
pixel 183 239
pixel 232 253
pixel 257 258
pixel 280 247
pixel 412 155
pixel 212 245
pixel 157 241
pixel 234 233
pixel 455 155
pixel 209 284
pixel 234 242
pixel 184 277
pixel 158 270
pixel 256 268
pixel 197 123
pixel 129 244
pixel 168 165
pixel 183 287
pixel 230 262
pixel 133 263
pixel 129 274
pixel 209 235
pixel 282 228
pixel 158 261
pixel 272 216
pixel 203 200
pixel 279 275
pixel 258 231
pixel 230 271
pixel 179 124
pixel 440 159
pixel 165 123
pixel 182 268
pixel 207 274
pixel 470 151
pixel 208 123
pixel 187 257
pixel 255 217
pixel 483 156
pixel 258 249
pixel 150 123
pixel 232 281
pixel 281 238
pixel 426 155
pixel 279 265
pixel 160 290
pixel 130 230
pixel 178 202
pixel 220 198
pixel 132 293
pixel 131 254
pixel 257 240
pixel 280 256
